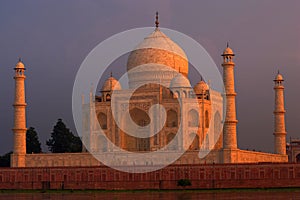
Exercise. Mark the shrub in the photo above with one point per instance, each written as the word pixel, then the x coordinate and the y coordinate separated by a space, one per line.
pixel 184 182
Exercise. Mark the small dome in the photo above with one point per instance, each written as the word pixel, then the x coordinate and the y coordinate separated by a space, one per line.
pixel 200 87
pixel 228 51
pixel 278 77
pixel 111 84
pixel 180 81
pixel 20 65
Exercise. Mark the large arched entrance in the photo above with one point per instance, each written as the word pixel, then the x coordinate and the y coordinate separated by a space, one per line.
pixel 141 118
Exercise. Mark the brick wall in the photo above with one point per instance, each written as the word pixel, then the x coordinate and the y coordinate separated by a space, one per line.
pixel 201 176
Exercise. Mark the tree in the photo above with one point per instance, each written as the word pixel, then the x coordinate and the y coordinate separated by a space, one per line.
pixel 62 140
pixel 33 144
pixel 5 160
pixel 184 182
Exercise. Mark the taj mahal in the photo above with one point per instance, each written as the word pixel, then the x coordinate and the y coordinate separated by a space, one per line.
pixel 206 125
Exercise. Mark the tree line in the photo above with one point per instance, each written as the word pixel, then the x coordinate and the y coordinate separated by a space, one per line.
pixel 62 141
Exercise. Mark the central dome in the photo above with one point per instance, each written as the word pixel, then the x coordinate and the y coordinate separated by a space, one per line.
pixel 157 48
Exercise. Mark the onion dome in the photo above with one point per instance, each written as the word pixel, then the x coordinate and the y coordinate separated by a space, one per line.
pixel 159 48
pixel 160 51
pixel 111 84
pixel 201 87
pixel 156 49
pixel 180 81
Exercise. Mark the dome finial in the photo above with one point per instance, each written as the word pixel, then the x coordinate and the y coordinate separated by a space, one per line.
pixel 20 64
pixel 156 21
pixel 228 50
pixel 110 73
pixel 278 77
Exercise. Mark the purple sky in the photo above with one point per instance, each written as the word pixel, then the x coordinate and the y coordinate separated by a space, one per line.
pixel 53 37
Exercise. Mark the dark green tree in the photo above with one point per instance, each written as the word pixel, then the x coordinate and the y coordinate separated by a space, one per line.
pixel 184 182
pixel 33 144
pixel 62 140
pixel 5 160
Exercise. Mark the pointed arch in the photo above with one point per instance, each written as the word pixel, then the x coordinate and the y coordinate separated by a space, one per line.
pixel 172 118
pixel 139 116
pixel 176 95
pixel 108 97
pixel 116 136
pixel 184 94
pixel 130 143
pixel 207 119
pixel 193 118
pixel 217 126
pixel 102 119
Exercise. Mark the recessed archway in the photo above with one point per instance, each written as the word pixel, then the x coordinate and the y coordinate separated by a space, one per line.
pixel 131 143
pixel 206 119
pixel 139 116
pixel 102 118
pixel 172 118
pixel 193 118
pixel 108 98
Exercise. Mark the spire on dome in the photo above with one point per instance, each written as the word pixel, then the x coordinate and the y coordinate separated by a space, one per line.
pixel 156 21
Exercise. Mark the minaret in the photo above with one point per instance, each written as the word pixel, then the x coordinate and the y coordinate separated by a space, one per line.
pixel 229 132
pixel 19 117
pixel 279 126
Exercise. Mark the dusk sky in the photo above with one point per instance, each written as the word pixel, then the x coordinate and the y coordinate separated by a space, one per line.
pixel 54 37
